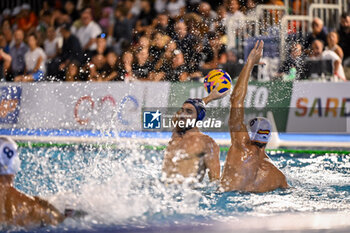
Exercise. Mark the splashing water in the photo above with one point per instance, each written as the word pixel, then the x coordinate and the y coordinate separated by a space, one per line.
pixel 122 187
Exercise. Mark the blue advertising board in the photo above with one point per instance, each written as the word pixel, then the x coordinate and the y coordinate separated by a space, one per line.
pixel 10 99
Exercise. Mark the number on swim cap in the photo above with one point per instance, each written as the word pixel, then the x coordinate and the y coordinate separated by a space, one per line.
pixel 8 152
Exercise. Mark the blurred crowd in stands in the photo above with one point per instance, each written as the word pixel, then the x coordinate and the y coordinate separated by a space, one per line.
pixel 125 40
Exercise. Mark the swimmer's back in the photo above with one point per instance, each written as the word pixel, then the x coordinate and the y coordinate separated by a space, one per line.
pixel 19 209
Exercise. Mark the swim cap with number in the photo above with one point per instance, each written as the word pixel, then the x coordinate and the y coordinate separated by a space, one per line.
pixel 10 163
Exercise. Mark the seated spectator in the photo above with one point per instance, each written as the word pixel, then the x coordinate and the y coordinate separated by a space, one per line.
pixel 318 33
pixel 215 52
pixel 184 39
pixel 35 60
pixel 175 8
pixel 294 66
pixel 333 39
pixel 158 46
pixel 72 73
pixel 101 46
pixel 111 67
pixel 164 24
pixel 70 9
pixel 145 18
pixel 234 15
pixel 122 28
pixel 95 68
pixel 125 66
pixel 318 53
pixel 104 22
pixel 208 15
pixel 160 5
pixel 28 20
pixel 71 49
pixel 164 63
pixel 344 37
pixel 5 63
pixel 142 66
pixel 178 71
pixel 17 52
pixel 51 43
pixel 88 31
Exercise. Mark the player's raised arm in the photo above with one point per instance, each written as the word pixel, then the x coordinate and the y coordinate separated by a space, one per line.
pixel 239 92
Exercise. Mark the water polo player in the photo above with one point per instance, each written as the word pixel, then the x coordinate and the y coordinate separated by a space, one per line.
pixel 190 153
pixel 17 208
pixel 247 167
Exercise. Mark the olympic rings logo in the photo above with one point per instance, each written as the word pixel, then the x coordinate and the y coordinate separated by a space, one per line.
pixel 91 103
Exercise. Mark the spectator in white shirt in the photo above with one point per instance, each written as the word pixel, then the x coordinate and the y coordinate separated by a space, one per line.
pixel 88 32
pixel 318 53
pixel 175 7
pixel 51 43
pixel 35 60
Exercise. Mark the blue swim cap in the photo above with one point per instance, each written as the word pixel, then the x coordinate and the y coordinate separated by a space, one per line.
pixel 199 106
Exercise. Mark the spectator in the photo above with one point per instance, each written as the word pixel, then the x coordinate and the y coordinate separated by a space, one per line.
pixel 184 40
pixel 16 17
pixel 344 37
pixel 122 28
pixel 51 44
pixel 104 22
pixel 160 5
pixel 234 22
pixel 71 49
pixel 28 20
pixel 251 8
pixel 88 31
pixel 294 66
pixel 69 8
pixel 178 71
pixel 163 24
pixel 35 60
pixel 208 15
pixel 111 69
pixel 142 65
pixel 234 15
pixel 17 52
pixel 318 33
pixel 333 39
pixel 72 73
pixel 145 18
pixel 101 46
pixel 125 66
pixel 158 46
pixel 175 8
pixel 5 63
pixel 318 53
pixel 164 64
pixel 215 52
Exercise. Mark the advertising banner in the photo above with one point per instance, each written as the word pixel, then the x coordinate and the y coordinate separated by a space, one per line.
pixel 261 97
pixel 319 108
pixel 95 106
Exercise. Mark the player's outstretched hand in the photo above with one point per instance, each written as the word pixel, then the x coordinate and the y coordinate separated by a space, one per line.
pixel 215 94
pixel 256 53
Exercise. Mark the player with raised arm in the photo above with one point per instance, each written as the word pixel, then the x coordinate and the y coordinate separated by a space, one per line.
pixel 247 167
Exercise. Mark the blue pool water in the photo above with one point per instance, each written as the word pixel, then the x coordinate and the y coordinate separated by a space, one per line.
pixel 120 188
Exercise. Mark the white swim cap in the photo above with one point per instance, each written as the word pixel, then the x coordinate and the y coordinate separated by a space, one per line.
pixel 10 163
pixel 259 130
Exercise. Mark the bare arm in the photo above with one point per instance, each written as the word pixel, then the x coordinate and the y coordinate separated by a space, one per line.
pixel 49 213
pixel 237 128
pixel 38 62
pixel 7 60
pixel 212 161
